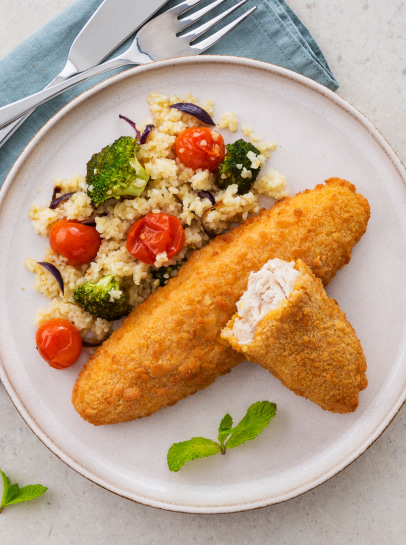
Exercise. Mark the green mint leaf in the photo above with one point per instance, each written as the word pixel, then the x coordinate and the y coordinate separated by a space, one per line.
pixel 225 427
pixel 257 418
pixel 226 423
pixel 13 494
pixel 197 447
pixel 27 493
pixel 6 487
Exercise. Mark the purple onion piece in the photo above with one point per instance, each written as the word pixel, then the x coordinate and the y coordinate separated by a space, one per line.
pixel 133 125
pixel 176 197
pixel 146 132
pixel 55 192
pixel 55 273
pixel 207 195
pixel 211 234
pixel 196 111
pixel 56 202
pixel 92 343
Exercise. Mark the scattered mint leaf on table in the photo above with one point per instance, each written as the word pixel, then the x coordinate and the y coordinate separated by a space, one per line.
pixel 13 494
pixel 256 419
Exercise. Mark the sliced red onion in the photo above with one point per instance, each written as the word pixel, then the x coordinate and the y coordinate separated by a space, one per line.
pixel 91 344
pixel 146 132
pixel 56 202
pixel 55 273
pixel 142 138
pixel 211 234
pixel 196 111
pixel 55 192
pixel 207 195
pixel 176 197
pixel 133 125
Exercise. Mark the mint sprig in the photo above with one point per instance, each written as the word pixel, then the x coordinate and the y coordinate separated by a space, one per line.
pixel 13 494
pixel 257 418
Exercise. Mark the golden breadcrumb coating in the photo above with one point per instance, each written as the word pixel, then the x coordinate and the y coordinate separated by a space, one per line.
pixel 309 345
pixel 170 347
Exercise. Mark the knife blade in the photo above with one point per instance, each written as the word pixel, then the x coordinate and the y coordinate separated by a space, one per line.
pixel 110 25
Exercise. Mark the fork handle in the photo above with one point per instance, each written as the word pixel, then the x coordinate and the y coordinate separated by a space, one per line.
pixel 20 107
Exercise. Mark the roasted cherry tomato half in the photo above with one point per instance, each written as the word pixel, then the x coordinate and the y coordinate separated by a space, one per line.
pixel 154 234
pixel 59 343
pixel 200 147
pixel 77 242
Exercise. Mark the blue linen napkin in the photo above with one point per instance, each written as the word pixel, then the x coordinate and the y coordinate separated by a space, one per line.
pixel 272 34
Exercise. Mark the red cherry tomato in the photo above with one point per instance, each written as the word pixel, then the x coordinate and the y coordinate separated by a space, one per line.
pixel 59 343
pixel 77 242
pixel 200 147
pixel 153 234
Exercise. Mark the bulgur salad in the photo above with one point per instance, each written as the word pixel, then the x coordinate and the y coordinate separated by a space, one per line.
pixel 197 200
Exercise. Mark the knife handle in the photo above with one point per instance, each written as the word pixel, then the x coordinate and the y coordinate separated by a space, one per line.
pixel 5 133
pixel 11 128
pixel 16 109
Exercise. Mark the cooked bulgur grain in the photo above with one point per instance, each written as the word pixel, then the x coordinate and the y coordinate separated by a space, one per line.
pixel 172 189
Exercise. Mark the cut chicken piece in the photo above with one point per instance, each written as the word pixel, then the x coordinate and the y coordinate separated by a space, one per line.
pixel 287 324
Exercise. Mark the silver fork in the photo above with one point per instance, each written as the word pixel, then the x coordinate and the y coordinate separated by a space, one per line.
pixel 158 39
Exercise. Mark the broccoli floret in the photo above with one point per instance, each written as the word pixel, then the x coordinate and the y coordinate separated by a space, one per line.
pixel 239 166
pixel 163 274
pixel 98 300
pixel 115 172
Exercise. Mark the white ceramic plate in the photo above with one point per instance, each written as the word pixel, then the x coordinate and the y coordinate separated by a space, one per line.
pixel 318 135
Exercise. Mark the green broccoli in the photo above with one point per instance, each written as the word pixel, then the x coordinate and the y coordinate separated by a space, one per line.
pixel 98 300
pixel 163 274
pixel 115 172
pixel 239 166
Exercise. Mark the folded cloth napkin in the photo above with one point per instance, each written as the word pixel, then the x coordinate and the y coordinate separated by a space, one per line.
pixel 272 34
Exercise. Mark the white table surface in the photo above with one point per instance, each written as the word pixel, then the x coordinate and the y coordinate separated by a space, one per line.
pixel 365 44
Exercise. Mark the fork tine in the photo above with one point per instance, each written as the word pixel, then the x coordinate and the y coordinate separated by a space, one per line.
pixel 217 36
pixel 183 7
pixel 196 32
pixel 184 22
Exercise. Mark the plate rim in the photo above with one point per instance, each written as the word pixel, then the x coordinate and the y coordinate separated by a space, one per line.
pixel 94 90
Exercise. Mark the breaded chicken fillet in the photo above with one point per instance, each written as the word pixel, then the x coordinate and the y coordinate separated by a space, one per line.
pixel 286 323
pixel 170 347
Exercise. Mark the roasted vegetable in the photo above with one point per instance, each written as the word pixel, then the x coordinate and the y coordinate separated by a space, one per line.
pixel 240 166
pixel 115 172
pixel 163 274
pixel 104 299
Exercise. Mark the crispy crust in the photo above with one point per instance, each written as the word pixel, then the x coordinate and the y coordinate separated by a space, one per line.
pixel 170 347
pixel 309 345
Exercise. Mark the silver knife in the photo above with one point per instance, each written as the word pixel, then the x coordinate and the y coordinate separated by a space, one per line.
pixel 110 25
